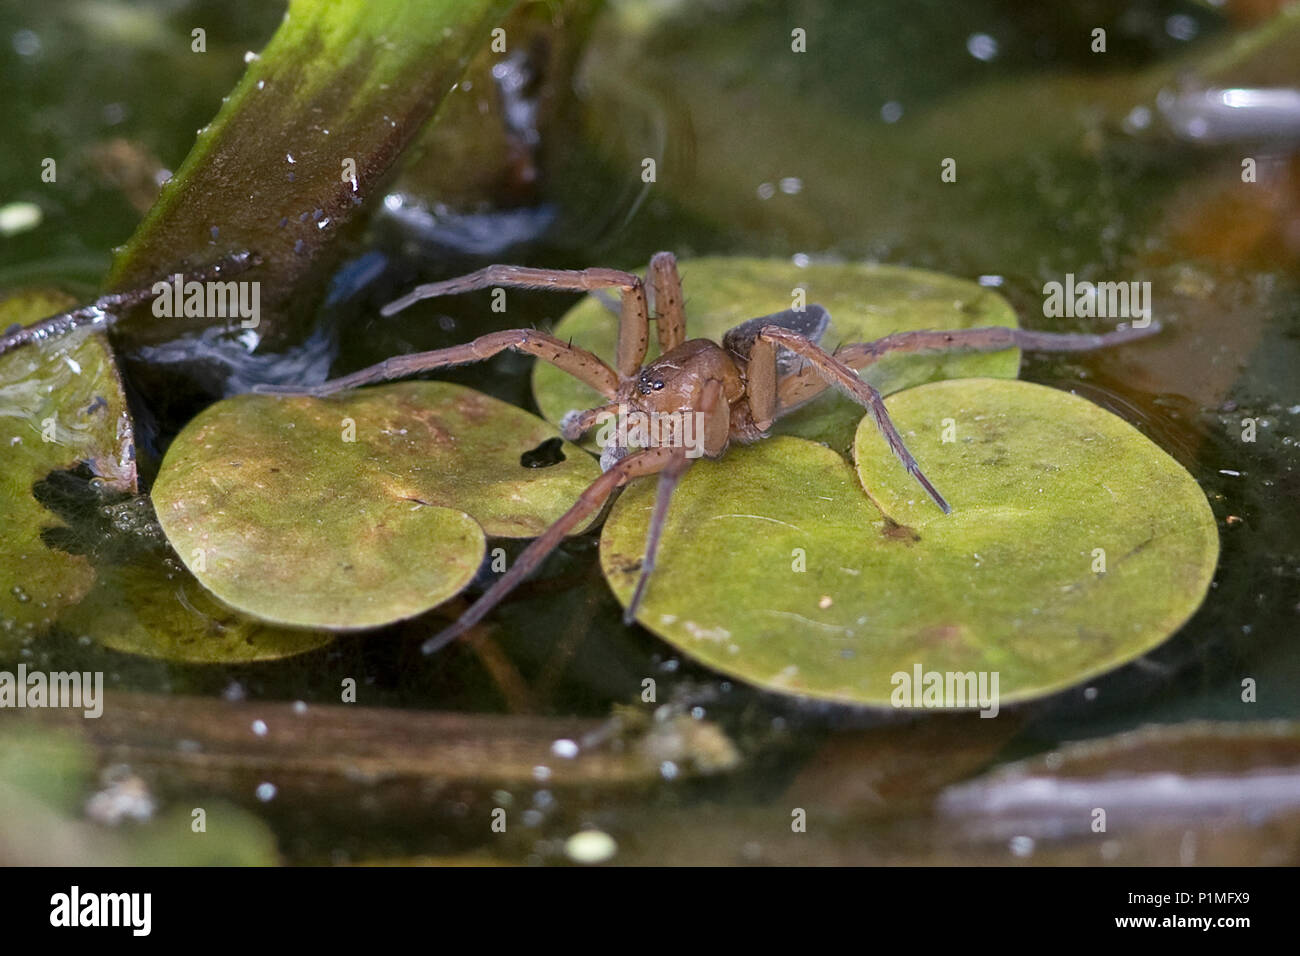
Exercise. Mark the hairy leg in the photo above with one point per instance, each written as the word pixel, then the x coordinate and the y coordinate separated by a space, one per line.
pixel 579 363
pixel 716 427
pixel 838 374
pixel 598 492
pixel 668 481
pixel 577 423
pixel 634 321
pixel 670 310
pixel 806 384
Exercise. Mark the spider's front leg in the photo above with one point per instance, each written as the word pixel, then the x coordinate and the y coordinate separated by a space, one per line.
pixel 634 320
pixel 593 499
pixel 762 369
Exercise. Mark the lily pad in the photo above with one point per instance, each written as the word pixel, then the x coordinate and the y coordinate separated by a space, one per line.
pixel 360 509
pixel 61 405
pixel 1042 485
pixel 161 611
pixel 866 302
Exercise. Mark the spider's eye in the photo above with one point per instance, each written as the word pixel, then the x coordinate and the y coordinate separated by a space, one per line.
pixel 645 386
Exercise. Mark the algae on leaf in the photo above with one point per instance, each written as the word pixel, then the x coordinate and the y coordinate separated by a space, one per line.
pixel 61 406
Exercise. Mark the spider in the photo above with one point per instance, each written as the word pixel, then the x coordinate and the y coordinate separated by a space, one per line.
pixel 762 369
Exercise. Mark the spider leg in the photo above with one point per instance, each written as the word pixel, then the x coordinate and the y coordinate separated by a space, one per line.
pixel 633 466
pixel 670 310
pixel 577 423
pixel 806 384
pixel 716 418
pixel 668 481
pixel 837 373
pixel 634 321
pixel 579 363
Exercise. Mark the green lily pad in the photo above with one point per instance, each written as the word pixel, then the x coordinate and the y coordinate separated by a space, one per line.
pixel 866 302
pixel 279 514
pixel 66 389
pixel 162 612
pixel 1038 480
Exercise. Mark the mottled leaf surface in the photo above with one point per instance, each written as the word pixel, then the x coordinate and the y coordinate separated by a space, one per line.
pixel 66 389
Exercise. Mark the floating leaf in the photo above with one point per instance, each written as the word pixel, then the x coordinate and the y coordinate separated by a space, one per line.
pixel 1039 481
pixel 865 302
pixel 162 612
pixel 66 389
pixel 360 509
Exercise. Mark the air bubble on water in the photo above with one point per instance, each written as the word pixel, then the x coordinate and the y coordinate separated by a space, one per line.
pixel 565 749
pixel 259 728
pixel 266 792
pixel 982 46
pixel 1021 846
pixel 1139 118
pixel 26 43
pixel 800 260
pixel 22 596
pixel 791 185
pixel 590 846
pixel 892 111
pixel 766 190
pixel 541 773
pixel 668 770
pixel 1181 27
pixel 250 57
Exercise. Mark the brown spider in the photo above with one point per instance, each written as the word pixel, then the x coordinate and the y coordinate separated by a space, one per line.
pixel 764 368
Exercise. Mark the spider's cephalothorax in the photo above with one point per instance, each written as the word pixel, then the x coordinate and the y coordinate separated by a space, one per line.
pixel 736 389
